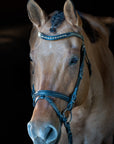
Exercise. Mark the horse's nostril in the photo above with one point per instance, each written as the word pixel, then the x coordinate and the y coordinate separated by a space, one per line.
pixel 51 134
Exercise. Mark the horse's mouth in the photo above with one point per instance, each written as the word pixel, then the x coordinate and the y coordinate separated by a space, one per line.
pixel 41 141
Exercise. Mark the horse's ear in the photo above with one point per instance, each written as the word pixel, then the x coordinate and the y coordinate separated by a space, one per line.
pixel 35 13
pixel 71 15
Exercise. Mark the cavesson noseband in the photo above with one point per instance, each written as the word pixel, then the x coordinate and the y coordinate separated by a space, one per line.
pixel 47 94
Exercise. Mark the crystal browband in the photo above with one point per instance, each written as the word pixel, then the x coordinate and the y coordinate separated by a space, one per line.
pixel 60 36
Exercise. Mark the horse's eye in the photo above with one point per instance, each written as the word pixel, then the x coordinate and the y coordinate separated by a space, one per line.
pixel 73 60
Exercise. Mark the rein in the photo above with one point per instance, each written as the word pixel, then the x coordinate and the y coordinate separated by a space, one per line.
pixel 47 94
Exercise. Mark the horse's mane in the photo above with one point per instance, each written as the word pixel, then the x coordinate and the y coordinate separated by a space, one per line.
pixel 91 32
pixel 56 20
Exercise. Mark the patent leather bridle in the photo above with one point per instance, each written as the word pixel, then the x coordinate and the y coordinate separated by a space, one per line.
pixel 47 94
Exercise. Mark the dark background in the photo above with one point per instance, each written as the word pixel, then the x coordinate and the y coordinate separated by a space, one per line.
pixel 15 93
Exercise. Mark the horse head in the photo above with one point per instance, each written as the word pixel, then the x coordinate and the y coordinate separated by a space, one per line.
pixel 55 65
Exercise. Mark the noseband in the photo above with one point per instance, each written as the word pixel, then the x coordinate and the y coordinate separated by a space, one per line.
pixel 47 94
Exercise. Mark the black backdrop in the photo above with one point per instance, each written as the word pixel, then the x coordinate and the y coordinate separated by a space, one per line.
pixel 16 102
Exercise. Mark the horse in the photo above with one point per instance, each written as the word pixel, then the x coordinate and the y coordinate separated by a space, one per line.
pixel 72 79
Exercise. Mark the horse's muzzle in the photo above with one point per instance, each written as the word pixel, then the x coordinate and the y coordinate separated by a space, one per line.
pixel 42 133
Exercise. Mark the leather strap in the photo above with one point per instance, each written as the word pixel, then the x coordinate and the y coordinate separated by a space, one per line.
pixel 50 93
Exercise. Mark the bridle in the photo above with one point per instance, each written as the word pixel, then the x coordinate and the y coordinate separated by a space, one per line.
pixel 47 94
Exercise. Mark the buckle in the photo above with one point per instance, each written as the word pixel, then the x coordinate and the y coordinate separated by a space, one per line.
pixel 68 120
